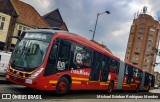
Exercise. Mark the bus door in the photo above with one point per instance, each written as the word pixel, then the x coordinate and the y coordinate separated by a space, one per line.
pixel 128 74
pixel 130 71
pixel 63 58
pixel 105 68
pixel 146 80
pixel 59 57
pixel 96 67
pixel 52 59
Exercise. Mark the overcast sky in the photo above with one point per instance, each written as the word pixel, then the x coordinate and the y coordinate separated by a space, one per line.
pixel 112 29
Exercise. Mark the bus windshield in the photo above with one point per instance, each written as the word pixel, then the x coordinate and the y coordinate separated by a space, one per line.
pixel 29 54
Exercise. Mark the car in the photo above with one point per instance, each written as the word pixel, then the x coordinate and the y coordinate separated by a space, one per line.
pixel 156 86
pixel 4 60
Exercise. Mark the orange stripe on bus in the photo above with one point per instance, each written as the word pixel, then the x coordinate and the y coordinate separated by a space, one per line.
pixel 53 82
pixel 76 82
pixel 82 79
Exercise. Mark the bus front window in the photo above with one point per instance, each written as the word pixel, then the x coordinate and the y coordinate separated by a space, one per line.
pixel 29 54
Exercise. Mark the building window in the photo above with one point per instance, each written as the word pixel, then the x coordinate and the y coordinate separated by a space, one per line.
pixel 152 25
pixel 2 21
pixel 144 65
pixel 129 48
pixel 142 23
pixel 138 43
pixel 147 60
pixel 21 29
pixel 127 52
pixel 150 40
pixel 136 53
pixel 137 48
pixel 131 33
pixel 149 45
pixel 135 58
pixel 139 38
pixel 141 33
pixel 148 50
pixel 151 29
pixel 132 28
pixel 150 35
pixel 134 63
pixel 147 55
pixel 142 28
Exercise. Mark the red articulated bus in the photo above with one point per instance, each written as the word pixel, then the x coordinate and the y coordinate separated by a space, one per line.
pixel 46 59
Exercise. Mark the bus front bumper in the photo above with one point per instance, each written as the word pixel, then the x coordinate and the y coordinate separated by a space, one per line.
pixel 27 82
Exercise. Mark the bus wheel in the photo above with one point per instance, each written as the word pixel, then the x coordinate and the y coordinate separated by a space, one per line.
pixel 110 87
pixel 62 86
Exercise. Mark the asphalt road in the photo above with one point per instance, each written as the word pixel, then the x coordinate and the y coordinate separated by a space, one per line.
pixel 74 96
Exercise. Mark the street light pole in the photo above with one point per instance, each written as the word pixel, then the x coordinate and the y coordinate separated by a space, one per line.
pixel 95 27
pixel 97 21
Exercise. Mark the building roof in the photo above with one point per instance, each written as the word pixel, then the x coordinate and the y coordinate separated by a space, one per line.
pixel 101 45
pixel 27 15
pixel 54 19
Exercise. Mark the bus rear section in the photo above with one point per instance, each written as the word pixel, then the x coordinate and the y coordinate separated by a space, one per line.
pixel 129 78
pixel 148 81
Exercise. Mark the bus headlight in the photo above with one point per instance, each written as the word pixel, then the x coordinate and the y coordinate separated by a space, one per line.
pixel 33 76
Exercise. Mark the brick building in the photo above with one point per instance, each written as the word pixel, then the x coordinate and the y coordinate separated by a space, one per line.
pixel 143 42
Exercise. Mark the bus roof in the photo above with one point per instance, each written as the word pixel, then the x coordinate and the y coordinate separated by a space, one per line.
pixel 84 41
pixel 45 31
pixel 77 38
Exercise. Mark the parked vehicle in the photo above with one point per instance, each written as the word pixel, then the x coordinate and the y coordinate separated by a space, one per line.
pixel 4 60
pixel 156 86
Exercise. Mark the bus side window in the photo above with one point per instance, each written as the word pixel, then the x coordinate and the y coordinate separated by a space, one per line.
pixel 135 73
pixel 114 66
pixel 52 59
pixel 126 70
pixel 105 68
pixel 63 55
pixel 118 65
pixel 146 82
pixel 87 58
pixel 77 56
pixel 96 66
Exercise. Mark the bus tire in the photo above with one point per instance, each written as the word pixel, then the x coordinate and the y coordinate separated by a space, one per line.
pixel 62 86
pixel 110 87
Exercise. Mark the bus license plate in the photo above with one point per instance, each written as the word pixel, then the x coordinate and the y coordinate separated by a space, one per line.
pixel 29 81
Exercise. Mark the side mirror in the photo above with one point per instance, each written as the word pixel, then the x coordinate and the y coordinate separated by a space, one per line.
pixel 53 52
